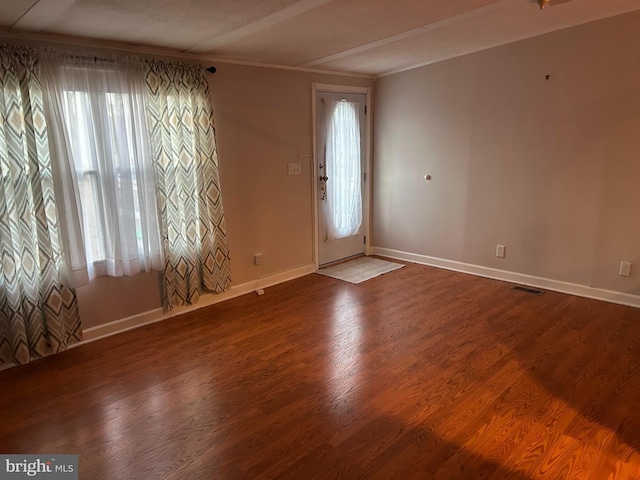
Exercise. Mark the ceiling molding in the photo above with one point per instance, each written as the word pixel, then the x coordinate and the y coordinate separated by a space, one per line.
pixel 210 58
pixel 269 21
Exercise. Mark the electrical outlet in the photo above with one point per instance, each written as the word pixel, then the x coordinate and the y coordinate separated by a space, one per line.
pixel 625 269
pixel 500 251
pixel 295 168
pixel 257 259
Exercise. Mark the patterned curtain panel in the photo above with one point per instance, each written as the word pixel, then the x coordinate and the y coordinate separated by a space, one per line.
pixel 38 313
pixel 194 239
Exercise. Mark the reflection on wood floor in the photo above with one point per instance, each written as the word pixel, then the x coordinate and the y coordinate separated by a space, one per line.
pixel 420 373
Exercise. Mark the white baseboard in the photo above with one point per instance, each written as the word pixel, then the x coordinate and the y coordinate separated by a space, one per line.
pixel 513 277
pixel 157 315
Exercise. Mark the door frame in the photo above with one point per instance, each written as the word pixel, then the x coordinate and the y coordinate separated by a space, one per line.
pixel 366 201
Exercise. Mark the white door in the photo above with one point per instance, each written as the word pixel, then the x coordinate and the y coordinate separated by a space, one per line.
pixel 340 175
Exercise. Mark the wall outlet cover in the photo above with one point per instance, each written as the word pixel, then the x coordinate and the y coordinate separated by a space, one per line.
pixel 625 269
pixel 295 168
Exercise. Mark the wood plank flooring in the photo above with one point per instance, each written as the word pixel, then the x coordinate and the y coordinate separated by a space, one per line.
pixel 421 373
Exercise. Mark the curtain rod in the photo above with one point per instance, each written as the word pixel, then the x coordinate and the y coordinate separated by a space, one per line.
pixel 95 58
pixel 92 57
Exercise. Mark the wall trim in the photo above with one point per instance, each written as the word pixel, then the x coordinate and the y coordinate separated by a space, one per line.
pixel 611 296
pixel 157 315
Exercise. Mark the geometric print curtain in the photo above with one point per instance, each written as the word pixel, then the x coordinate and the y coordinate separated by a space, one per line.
pixel 38 313
pixel 183 144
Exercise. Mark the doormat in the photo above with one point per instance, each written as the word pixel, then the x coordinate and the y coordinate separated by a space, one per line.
pixel 360 269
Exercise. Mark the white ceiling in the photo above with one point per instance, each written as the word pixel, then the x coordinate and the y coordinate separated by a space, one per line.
pixel 360 36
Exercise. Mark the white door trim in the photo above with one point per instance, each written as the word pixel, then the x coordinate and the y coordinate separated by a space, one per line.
pixel 325 87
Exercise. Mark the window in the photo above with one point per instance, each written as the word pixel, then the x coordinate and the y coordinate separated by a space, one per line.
pixel 101 115
pixel 344 169
pixel 87 148
pixel 83 148
pixel 107 148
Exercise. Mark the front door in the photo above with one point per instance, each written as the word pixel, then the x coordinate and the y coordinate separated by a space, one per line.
pixel 340 175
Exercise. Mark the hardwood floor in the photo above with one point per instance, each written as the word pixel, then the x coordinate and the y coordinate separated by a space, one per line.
pixel 421 373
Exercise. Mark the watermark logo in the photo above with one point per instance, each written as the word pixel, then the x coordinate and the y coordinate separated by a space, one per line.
pixel 49 467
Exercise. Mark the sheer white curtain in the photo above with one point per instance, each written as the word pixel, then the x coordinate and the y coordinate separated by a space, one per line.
pixel 100 146
pixel 344 169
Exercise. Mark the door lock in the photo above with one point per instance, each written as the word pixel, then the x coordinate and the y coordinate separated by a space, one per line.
pixel 323 186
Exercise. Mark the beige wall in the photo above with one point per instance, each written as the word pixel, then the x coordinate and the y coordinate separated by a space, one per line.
pixel 263 122
pixel 549 168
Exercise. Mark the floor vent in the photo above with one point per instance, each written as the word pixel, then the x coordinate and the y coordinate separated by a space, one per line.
pixel 528 290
